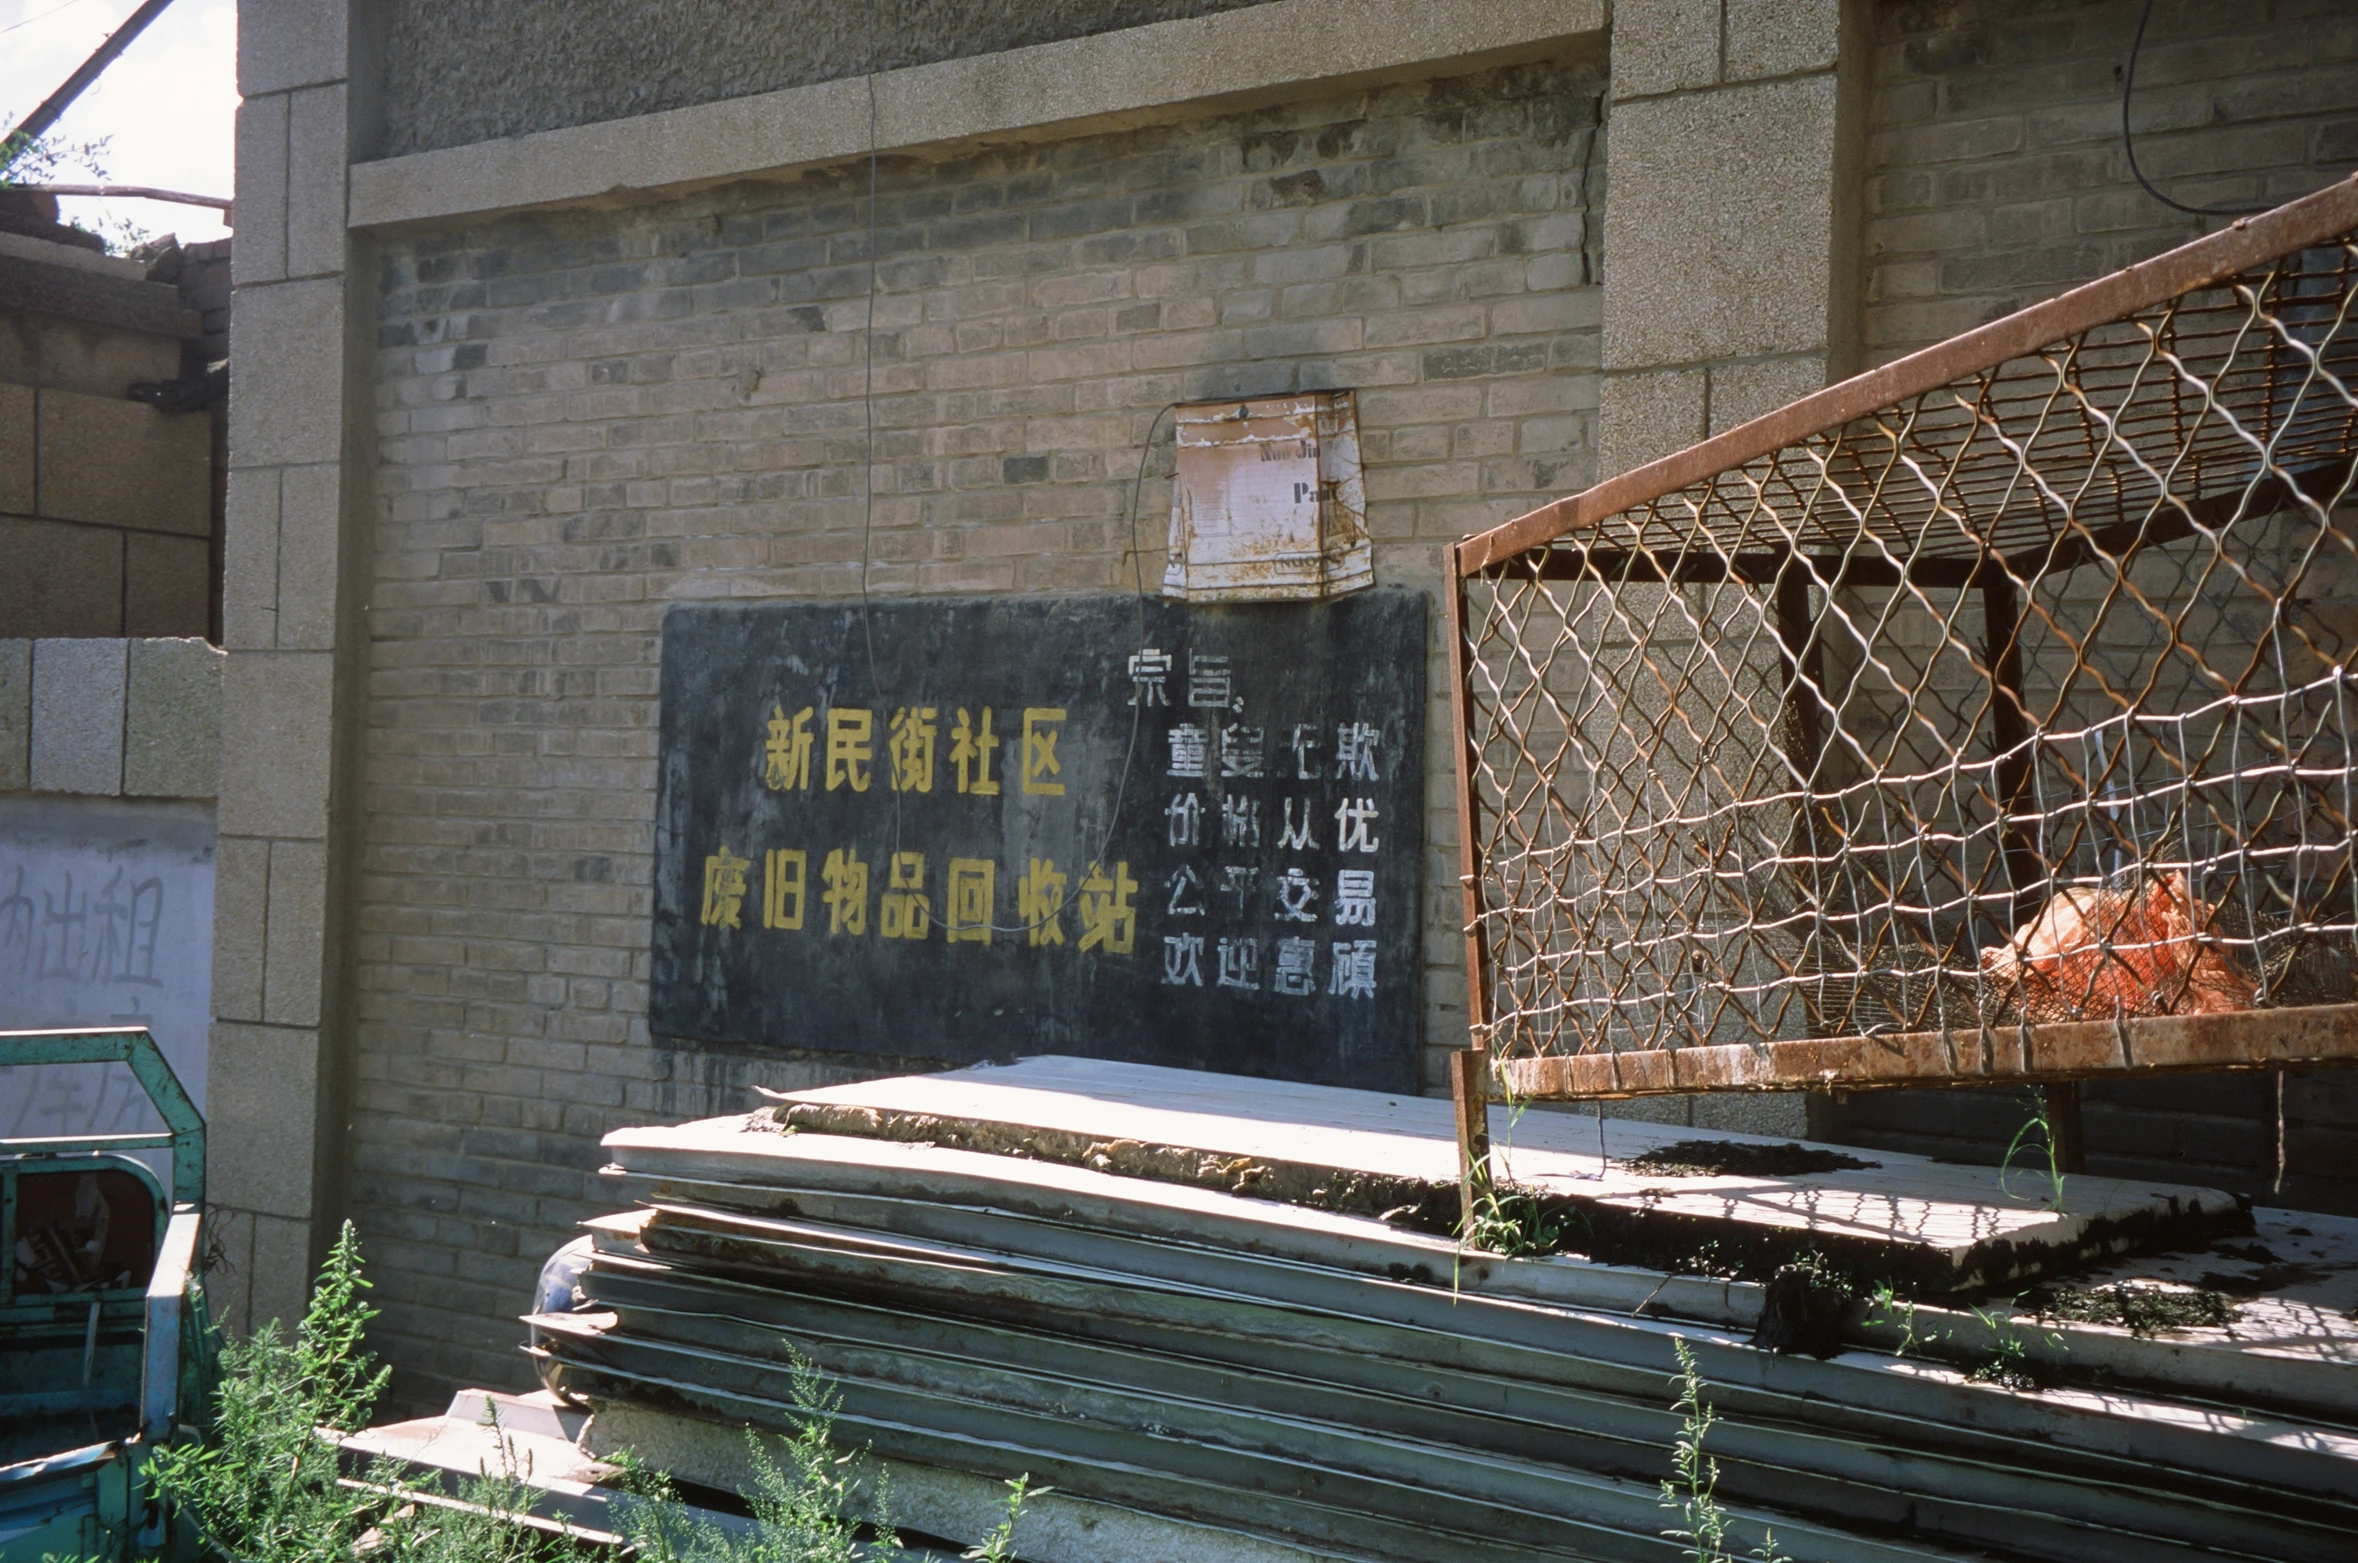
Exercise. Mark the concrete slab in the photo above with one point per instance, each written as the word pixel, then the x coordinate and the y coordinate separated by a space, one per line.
pixel 2284 1297
pixel 972 1197
pixel 485 1432
pixel 1951 1227
pixel 1056 1527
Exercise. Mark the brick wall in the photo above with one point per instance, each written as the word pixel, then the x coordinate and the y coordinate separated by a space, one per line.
pixel 1998 177
pixel 582 419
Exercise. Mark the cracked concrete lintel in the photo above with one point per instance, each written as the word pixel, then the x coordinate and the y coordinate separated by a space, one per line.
pixel 1107 80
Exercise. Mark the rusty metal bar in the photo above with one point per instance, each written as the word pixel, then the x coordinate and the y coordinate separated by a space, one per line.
pixel 2167 524
pixel 1468 819
pixel 1469 1068
pixel 1677 835
pixel 2244 243
pixel 2010 1055
pixel 1469 1093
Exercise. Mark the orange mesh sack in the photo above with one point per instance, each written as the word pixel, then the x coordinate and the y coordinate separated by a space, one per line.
pixel 2093 954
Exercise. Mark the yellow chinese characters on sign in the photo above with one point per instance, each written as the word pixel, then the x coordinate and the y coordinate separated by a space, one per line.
pixel 1108 921
pixel 851 733
pixel 846 878
pixel 911 749
pixel 785 876
pixel 971 895
pixel 971 750
pixel 724 888
pixel 1040 725
pixel 1039 901
pixel 845 746
pixel 907 914
pixel 786 758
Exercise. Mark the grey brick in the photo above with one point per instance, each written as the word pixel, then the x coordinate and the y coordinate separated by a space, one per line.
pixel 537 509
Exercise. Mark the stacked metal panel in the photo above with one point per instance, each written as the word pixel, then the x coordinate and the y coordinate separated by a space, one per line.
pixel 1351 1390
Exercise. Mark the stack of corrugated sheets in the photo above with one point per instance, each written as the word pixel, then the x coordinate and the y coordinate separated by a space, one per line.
pixel 1050 1269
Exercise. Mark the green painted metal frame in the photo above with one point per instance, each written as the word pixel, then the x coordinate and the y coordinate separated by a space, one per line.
pixel 184 1127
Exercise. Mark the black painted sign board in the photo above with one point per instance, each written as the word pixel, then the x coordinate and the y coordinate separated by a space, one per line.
pixel 1165 833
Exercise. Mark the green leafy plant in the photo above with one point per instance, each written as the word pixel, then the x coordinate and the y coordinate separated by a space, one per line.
pixel 263 1483
pixel 35 160
pixel 999 1545
pixel 1886 1306
pixel 1513 1224
pixel 2037 1122
pixel 1505 1220
pixel 2009 1362
pixel 807 1499
pixel 2000 1354
pixel 1704 1525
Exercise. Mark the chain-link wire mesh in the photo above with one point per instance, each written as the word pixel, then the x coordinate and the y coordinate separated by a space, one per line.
pixel 2022 699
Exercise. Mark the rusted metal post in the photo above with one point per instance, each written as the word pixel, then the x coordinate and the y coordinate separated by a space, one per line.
pixel 2001 611
pixel 1802 658
pixel 1469 1092
pixel 1469 819
pixel 1469 1068
pixel 2064 1134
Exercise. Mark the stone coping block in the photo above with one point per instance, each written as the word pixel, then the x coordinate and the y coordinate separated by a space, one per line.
pixel 16 714
pixel 16 449
pixel 1743 274
pixel 1104 81
pixel 110 717
pixel 172 720
pixel 78 715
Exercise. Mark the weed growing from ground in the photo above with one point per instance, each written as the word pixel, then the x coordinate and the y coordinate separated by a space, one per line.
pixel 805 1501
pixel 263 1485
pixel 1695 1495
pixel 2045 1129
pixel 999 1545
pixel 1503 1221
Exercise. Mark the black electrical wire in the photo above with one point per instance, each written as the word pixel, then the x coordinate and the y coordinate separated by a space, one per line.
pixel 2129 143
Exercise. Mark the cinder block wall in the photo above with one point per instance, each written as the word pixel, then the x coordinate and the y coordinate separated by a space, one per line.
pixel 106 515
pixel 110 718
pixel 1998 177
pixel 583 419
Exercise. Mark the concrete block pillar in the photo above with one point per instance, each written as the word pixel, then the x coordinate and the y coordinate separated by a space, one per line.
pixel 1736 132
pixel 1734 151
pixel 291 628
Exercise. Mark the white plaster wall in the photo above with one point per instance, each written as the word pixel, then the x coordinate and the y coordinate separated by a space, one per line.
pixel 106 919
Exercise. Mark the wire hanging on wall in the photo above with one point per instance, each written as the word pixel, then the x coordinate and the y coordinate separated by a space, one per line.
pixel 2129 142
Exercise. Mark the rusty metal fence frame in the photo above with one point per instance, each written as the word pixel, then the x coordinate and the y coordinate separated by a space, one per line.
pixel 1622 531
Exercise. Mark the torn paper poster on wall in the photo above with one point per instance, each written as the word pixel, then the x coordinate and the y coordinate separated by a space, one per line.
pixel 1269 502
